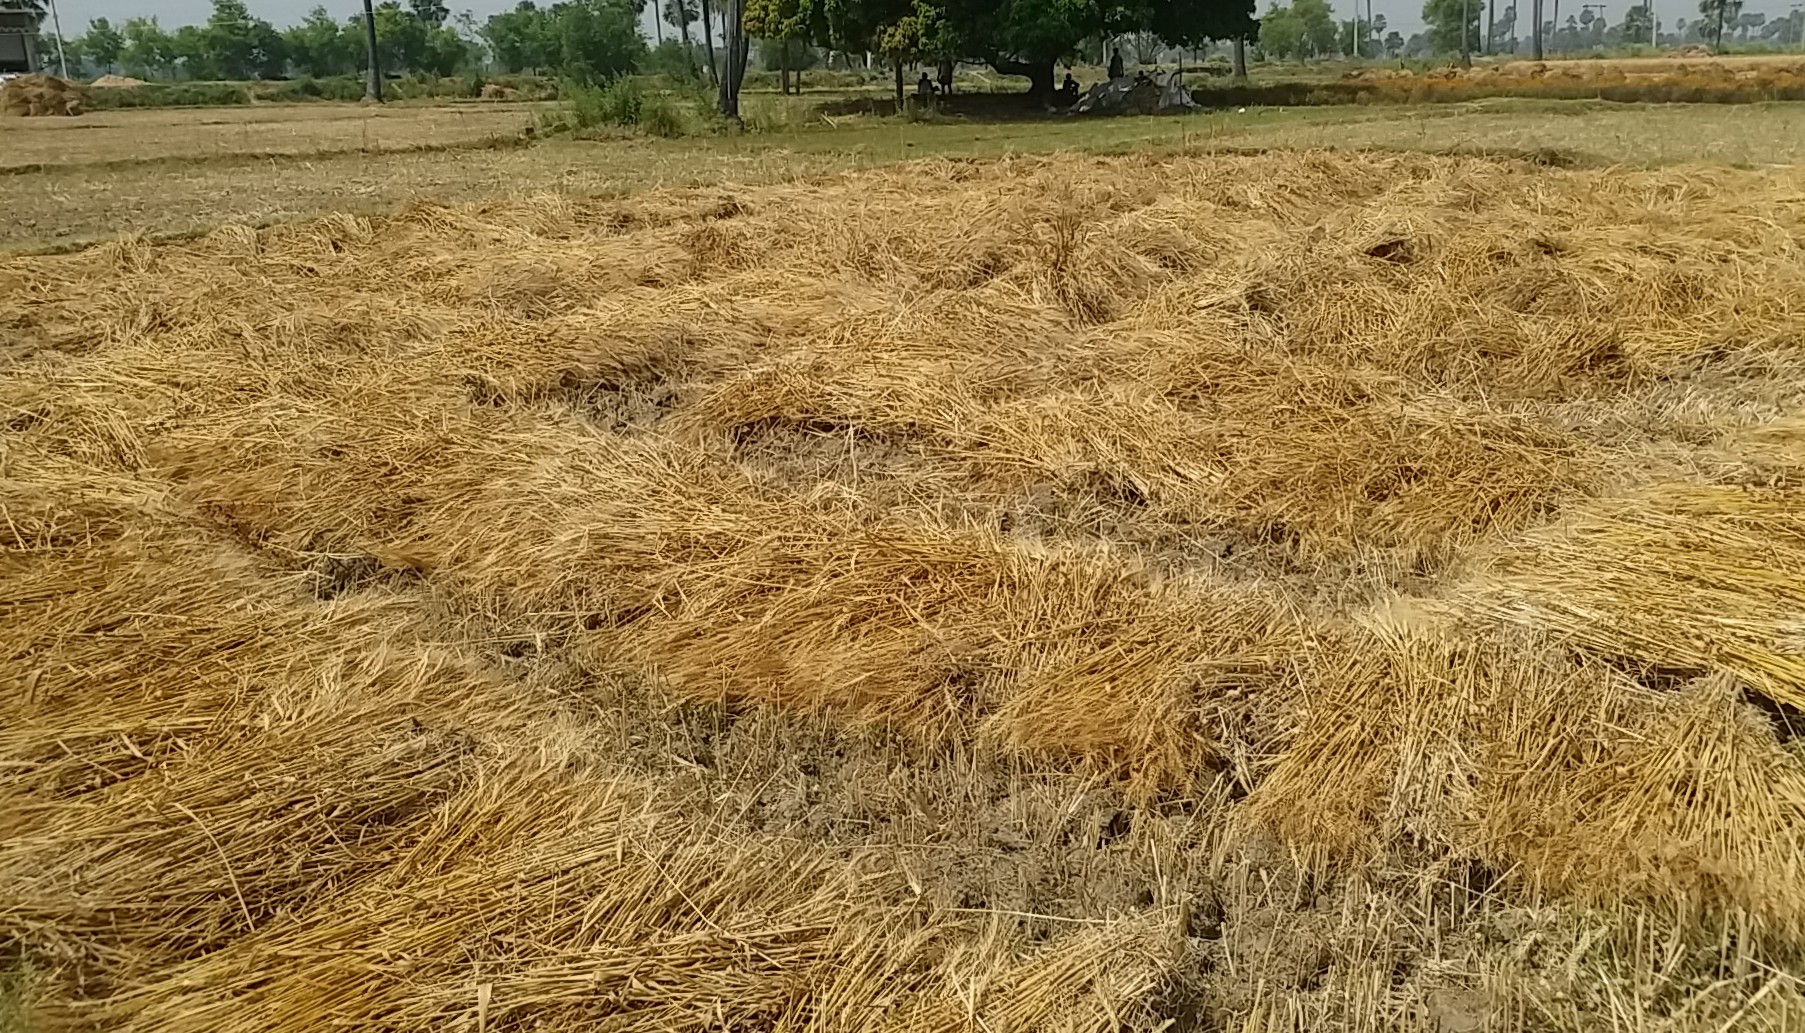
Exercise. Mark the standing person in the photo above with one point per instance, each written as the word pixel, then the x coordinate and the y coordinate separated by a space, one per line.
pixel 1116 70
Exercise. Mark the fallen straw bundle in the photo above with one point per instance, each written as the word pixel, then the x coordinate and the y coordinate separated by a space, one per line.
pixel 1035 594
pixel 1682 579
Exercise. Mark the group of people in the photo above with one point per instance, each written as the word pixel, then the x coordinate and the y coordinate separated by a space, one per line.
pixel 927 89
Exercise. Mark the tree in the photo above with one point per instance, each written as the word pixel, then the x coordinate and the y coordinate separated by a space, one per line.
pixel 149 52
pixel 1318 19
pixel 682 14
pixel 596 40
pixel 1504 30
pixel 1192 24
pixel 1716 13
pixel 1449 21
pixel 432 12
pixel 1636 24
pixel 521 39
pixel 234 45
pixel 102 44
pixel 1282 34
pixel 714 72
pixel 786 23
pixel 318 46
pixel 733 72
pixel 1394 43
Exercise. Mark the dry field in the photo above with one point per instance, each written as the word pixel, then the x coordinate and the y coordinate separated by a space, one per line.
pixel 99 194
pixel 1289 592
pixel 247 133
pixel 1664 65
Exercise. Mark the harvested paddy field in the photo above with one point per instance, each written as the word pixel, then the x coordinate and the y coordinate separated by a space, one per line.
pixel 1279 592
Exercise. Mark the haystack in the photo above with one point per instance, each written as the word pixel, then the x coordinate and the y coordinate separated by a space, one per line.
pixel 117 82
pixel 33 95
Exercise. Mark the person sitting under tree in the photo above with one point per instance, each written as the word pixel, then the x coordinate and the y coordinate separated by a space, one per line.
pixel 1069 88
pixel 1116 69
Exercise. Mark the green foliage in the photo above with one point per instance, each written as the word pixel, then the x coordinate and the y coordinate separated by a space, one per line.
pixel 431 12
pixel 407 42
pixel 771 56
pixel 623 103
pixel 1194 23
pixel 333 87
pixel 149 52
pixel 232 45
pixel 103 44
pixel 680 13
pixel 1281 34
pixel 597 40
pixel 1304 29
pixel 664 116
pixel 1718 14
pixel 168 95
pixel 319 46
pixel 586 41
pixel 586 107
pixel 673 60
pixel 1445 19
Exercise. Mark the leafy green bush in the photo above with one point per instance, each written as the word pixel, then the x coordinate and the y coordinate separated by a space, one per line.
pixel 663 116
pixel 166 95
pixel 624 103
pixel 331 87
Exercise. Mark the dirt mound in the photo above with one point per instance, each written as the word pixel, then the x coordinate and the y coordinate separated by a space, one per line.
pixel 496 91
pixel 1693 50
pixel 118 82
pixel 34 95
pixel 1283 591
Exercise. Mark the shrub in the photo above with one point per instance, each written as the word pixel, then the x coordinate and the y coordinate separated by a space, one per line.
pixel 624 102
pixel 167 95
pixel 663 116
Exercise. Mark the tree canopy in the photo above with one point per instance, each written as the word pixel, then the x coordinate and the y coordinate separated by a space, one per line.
pixel 586 40
pixel 1016 37
pixel 233 44
pixel 1446 18
pixel 1304 29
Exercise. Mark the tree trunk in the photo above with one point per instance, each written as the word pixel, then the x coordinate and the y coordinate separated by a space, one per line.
pixel 372 85
pixel 714 74
pixel 1717 36
pixel 1535 30
pixel 783 70
pixel 1039 74
pixel 689 52
pixel 900 101
pixel 1491 23
pixel 1240 60
pixel 1466 34
pixel 727 99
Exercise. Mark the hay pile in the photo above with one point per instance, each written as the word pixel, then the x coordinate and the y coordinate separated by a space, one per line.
pixel 117 82
pixel 1292 591
pixel 33 95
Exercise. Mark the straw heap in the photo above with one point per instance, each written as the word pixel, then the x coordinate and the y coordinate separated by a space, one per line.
pixel 1271 592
